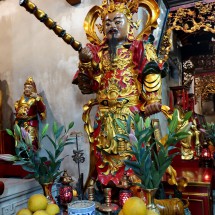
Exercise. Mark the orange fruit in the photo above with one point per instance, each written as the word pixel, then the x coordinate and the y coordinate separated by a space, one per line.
pixel 37 202
pixel 134 206
pixel 120 212
pixel 24 211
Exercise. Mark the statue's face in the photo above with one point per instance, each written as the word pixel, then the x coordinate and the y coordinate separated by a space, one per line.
pixel 116 24
pixel 28 90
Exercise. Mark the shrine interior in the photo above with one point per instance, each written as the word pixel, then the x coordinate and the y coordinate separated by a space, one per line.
pixel 31 52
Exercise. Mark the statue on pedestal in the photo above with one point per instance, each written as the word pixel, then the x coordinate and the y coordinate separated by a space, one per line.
pixel 125 74
pixel 28 108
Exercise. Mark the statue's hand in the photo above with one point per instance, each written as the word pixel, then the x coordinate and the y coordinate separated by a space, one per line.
pixel 85 55
pixel 152 109
pixel 33 95
pixel 84 83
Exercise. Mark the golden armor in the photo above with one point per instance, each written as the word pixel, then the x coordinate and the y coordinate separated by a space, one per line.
pixel 28 108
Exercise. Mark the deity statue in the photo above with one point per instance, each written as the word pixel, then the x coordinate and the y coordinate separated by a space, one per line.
pixel 125 74
pixel 190 146
pixel 28 108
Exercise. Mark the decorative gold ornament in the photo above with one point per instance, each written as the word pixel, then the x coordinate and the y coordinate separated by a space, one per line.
pixel 189 20
pixel 204 86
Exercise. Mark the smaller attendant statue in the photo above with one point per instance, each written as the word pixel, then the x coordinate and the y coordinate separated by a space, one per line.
pixel 28 108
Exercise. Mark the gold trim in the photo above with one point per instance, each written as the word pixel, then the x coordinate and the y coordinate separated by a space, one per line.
pixel 203 86
pixel 189 193
pixel 153 10
pixel 151 78
pixel 188 20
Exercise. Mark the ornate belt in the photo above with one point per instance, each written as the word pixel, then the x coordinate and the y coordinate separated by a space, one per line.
pixel 125 101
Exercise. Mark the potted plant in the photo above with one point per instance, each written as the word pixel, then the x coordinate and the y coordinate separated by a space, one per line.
pixel 151 157
pixel 43 168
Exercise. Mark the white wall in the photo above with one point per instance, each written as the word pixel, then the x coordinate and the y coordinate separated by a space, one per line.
pixel 28 48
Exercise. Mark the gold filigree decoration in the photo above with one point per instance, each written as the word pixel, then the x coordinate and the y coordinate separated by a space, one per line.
pixel 189 20
pixel 204 86
pixel 128 8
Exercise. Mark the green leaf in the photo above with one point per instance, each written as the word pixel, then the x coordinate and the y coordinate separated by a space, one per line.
pixel 51 156
pixel 71 124
pixel 136 118
pixel 59 131
pixel 140 125
pixel 178 134
pixel 54 128
pixel 44 131
pixel 17 131
pixel 28 168
pixel 17 163
pixel 68 143
pixel 29 176
pixel 156 160
pixel 58 151
pixel 52 141
pixel 155 178
pixel 133 165
pixel 9 132
pixel 123 136
pixel 147 122
pixel 43 159
pixel 174 122
pixel 187 116
pixel 128 125
pixel 120 123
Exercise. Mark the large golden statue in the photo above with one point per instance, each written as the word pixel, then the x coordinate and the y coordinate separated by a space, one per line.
pixel 28 108
pixel 125 74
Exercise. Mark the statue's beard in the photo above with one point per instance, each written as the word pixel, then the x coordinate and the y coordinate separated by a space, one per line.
pixel 112 44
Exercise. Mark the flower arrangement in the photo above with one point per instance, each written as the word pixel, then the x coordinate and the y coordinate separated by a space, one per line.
pixel 44 169
pixel 151 157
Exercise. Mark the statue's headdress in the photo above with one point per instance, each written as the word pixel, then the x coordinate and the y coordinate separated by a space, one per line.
pixel 30 81
pixel 128 8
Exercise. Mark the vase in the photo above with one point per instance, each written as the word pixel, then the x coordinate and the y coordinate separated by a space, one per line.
pixel 149 195
pixel 47 191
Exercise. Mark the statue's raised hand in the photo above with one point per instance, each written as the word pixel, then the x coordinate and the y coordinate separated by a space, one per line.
pixel 85 55
pixel 152 109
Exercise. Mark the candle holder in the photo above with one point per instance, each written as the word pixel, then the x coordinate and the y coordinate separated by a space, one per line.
pixel 108 206
pixel 91 196
pixel 65 190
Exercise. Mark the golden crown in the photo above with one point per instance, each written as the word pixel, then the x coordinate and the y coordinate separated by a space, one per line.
pixel 30 81
pixel 126 7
